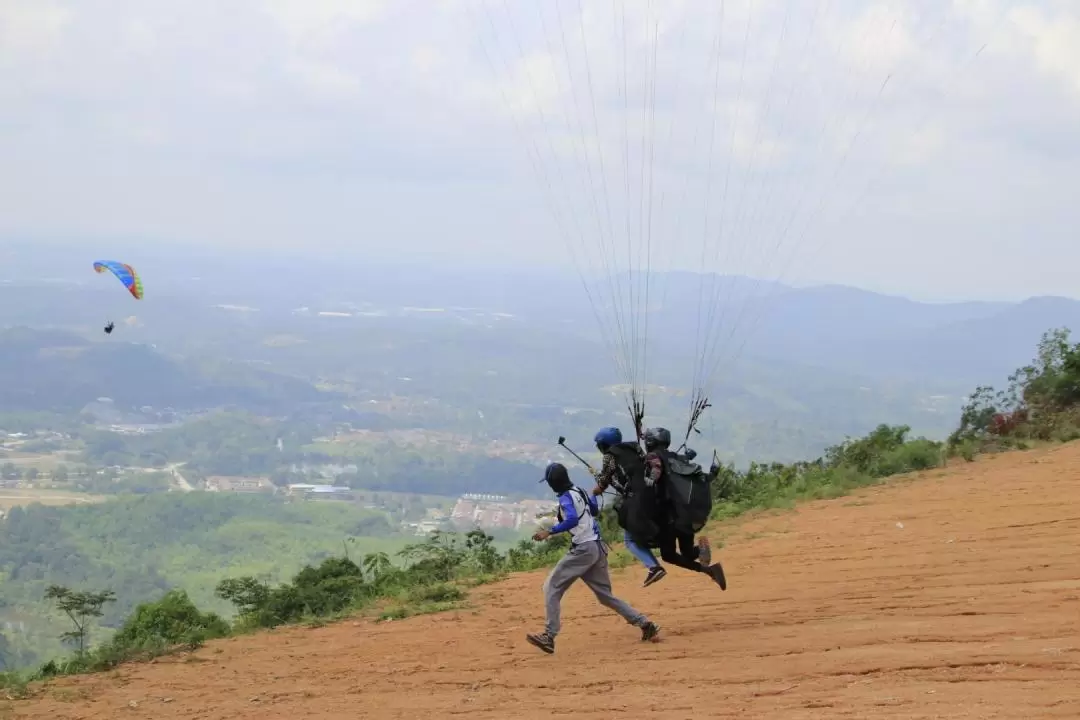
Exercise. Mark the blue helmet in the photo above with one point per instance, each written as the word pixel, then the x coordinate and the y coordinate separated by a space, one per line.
pixel 606 437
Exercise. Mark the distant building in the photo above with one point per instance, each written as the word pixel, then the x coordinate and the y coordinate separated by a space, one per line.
pixel 490 512
pixel 223 483
pixel 320 492
pixel 426 527
pixel 485 498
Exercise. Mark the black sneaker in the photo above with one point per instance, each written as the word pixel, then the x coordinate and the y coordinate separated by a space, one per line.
pixel 655 574
pixel 704 551
pixel 649 631
pixel 716 570
pixel 543 641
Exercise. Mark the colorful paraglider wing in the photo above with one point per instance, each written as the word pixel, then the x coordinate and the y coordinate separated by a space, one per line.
pixel 125 273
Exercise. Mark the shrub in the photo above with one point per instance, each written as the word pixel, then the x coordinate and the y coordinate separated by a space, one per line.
pixel 439 593
pixel 173 620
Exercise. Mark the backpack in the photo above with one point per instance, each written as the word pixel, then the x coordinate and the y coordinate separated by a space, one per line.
pixel 689 494
pixel 636 512
pixel 591 507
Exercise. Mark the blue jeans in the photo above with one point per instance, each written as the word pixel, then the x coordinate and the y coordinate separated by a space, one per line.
pixel 643 554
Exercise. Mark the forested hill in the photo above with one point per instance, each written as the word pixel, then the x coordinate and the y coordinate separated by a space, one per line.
pixel 139 547
pixel 61 371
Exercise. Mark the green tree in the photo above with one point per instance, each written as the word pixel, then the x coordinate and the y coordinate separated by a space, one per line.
pixel 438 557
pixel 376 565
pixel 172 620
pixel 246 593
pixel 5 653
pixel 80 607
pixel 31 474
pixel 482 551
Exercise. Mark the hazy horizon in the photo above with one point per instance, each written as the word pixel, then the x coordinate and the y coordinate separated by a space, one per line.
pixel 20 254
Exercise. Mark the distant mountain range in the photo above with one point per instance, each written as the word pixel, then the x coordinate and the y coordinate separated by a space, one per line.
pixel 835 327
pixel 471 341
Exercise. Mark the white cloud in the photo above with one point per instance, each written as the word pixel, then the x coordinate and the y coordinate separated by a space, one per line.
pixel 342 114
pixel 316 23
pixel 31 28
pixel 1054 42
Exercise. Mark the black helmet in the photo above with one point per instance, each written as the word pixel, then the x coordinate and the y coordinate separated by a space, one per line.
pixel 557 478
pixel 657 438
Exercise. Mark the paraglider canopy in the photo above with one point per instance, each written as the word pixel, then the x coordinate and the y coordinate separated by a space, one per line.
pixel 125 273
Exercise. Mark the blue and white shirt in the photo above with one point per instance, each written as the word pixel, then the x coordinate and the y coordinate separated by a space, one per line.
pixel 577 515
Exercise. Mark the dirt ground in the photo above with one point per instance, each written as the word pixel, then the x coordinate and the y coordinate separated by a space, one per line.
pixel 952 595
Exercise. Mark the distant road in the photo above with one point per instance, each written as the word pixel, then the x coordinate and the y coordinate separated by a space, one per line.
pixel 181 481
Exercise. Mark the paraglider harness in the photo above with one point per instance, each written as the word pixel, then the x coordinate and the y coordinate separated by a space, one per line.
pixel 635 503
pixel 688 492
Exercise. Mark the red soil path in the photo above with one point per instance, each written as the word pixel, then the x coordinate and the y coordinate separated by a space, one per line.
pixel 954 594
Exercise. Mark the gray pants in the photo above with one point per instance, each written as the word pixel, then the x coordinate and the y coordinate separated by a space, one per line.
pixel 587 561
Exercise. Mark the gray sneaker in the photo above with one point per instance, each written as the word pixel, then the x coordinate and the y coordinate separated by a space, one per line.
pixel 543 641
pixel 649 631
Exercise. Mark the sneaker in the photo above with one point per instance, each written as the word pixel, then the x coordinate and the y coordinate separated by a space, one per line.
pixel 704 551
pixel 543 641
pixel 716 570
pixel 649 631
pixel 655 574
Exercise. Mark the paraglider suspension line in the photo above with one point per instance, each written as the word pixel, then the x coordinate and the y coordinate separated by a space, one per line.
pixel 637 413
pixel 701 403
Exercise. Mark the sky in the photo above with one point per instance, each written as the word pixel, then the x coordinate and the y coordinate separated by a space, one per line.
pixel 923 147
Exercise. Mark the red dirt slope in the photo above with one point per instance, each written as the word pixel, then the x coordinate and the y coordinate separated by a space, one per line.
pixel 953 595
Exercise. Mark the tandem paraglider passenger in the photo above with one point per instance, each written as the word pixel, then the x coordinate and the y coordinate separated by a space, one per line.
pixel 586 560
pixel 685 504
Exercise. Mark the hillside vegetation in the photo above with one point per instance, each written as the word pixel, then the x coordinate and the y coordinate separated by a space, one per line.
pixel 141 547
pixel 435 574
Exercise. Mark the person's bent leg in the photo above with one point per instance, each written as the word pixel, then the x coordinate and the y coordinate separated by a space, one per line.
pixel 558 581
pixel 571 567
pixel 687 548
pixel 598 579
pixel 641 554
pixel 703 554
pixel 669 555
pixel 645 556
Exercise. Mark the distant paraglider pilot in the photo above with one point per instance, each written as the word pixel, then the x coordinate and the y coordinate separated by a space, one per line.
pixel 126 275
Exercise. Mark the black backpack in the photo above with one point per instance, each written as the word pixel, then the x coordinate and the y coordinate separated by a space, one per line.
pixel 689 494
pixel 637 510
